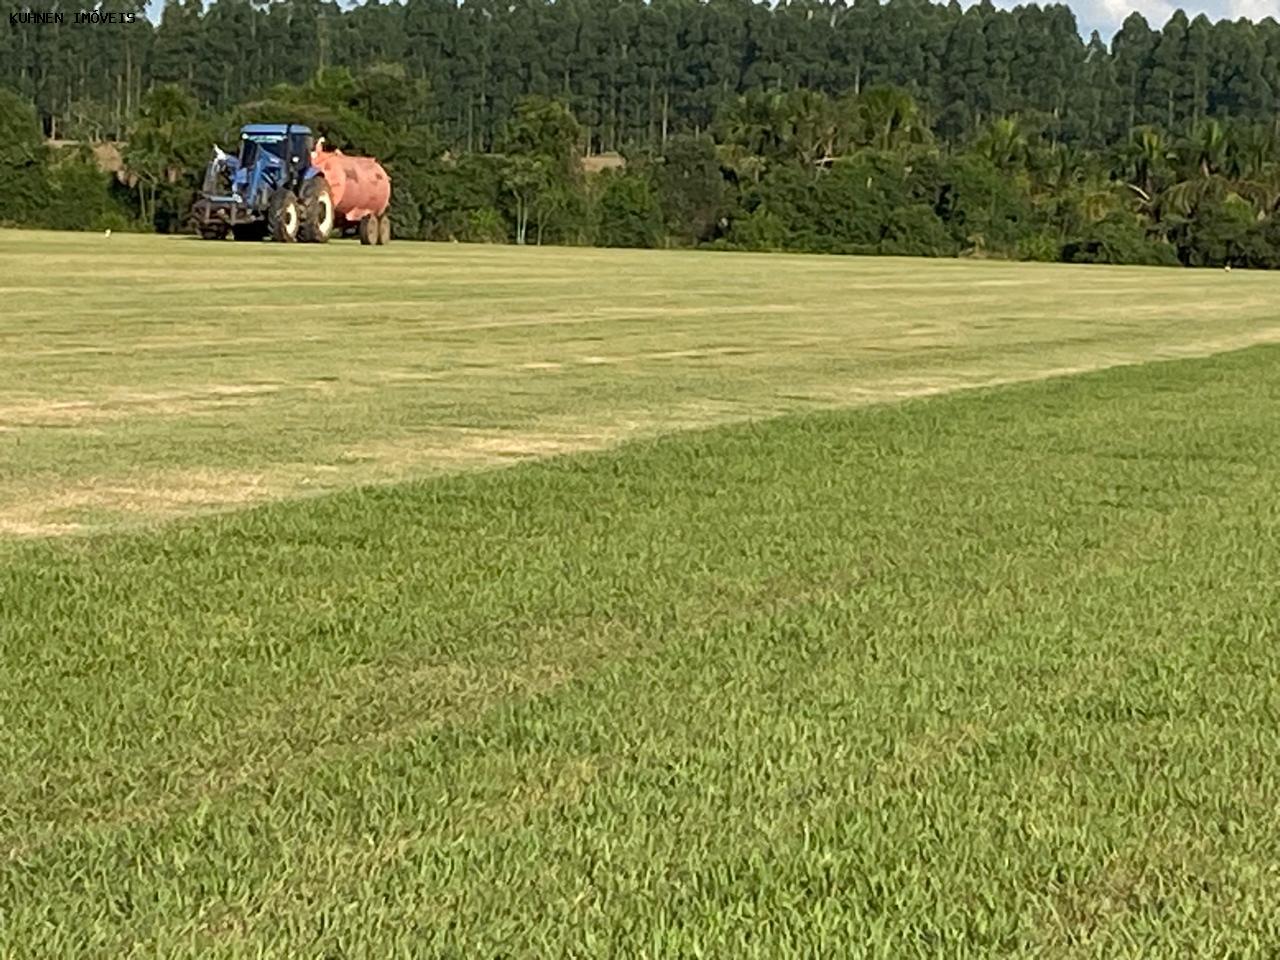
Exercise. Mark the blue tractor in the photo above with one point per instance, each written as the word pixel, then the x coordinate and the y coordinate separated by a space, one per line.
pixel 269 188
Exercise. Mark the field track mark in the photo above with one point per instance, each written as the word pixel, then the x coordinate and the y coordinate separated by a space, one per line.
pixel 655 314
pixel 125 403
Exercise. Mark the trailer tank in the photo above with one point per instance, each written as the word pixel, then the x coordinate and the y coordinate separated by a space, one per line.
pixel 359 186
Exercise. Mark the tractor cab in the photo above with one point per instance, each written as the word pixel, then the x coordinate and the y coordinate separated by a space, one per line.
pixel 289 143
pixel 270 155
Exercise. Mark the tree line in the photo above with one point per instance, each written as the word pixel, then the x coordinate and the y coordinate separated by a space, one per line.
pixel 890 127
pixel 638 71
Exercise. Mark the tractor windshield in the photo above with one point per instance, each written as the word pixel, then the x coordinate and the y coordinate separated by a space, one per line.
pixel 251 143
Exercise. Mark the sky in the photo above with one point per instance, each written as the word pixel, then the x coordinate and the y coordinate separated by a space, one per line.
pixel 1104 16
pixel 1107 15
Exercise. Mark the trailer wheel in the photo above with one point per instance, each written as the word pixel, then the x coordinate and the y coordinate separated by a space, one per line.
pixel 317 211
pixel 369 231
pixel 384 229
pixel 284 217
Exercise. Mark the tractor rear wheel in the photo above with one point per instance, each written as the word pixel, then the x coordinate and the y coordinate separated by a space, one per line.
pixel 384 229
pixel 317 211
pixel 284 216
pixel 369 231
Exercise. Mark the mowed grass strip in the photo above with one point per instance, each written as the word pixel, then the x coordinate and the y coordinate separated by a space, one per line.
pixel 990 673
pixel 144 378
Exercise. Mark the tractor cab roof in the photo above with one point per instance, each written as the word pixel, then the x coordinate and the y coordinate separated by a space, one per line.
pixel 272 129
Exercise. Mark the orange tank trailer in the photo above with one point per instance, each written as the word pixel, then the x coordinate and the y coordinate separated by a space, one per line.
pixel 359 186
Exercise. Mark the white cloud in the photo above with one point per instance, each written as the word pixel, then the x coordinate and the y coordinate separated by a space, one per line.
pixel 1106 16
pixel 1253 9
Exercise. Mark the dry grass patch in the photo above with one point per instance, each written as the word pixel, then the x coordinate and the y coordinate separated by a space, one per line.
pixel 446 357
pixel 144 498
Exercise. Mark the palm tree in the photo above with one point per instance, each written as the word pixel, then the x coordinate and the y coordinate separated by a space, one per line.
pixel 755 123
pixel 744 164
pixel 1148 162
pixel 1205 152
pixel 1073 192
pixel 890 119
pixel 1211 176
pixel 1251 149
pixel 811 127
pixel 1004 143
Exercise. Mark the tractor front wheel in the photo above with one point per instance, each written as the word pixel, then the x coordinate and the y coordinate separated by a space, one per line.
pixel 284 216
pixel 213 231
pixel 317 211
pixel 369 231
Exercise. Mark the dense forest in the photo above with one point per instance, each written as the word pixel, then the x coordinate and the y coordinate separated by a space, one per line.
pixel 882 127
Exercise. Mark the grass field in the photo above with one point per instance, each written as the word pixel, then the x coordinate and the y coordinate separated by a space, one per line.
pixel 148 377
pixel 986 673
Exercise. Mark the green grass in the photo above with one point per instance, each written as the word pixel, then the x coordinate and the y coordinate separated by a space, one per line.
pixel 143 378
pixel 992 673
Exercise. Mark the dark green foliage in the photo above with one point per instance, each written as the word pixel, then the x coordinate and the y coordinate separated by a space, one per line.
pixel 628 214
pixel 761 230
pixel 406 212
pixel 691 189
pixel 23 173
pixel 81 196
pixel 870 202
pixel 540 172
pixel 914 230
pixel 1040 247
pixel 456 196
pixel 1119 239
pixel 988 209
pixel 1222 232
pixel 547 130
pixel 168 149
